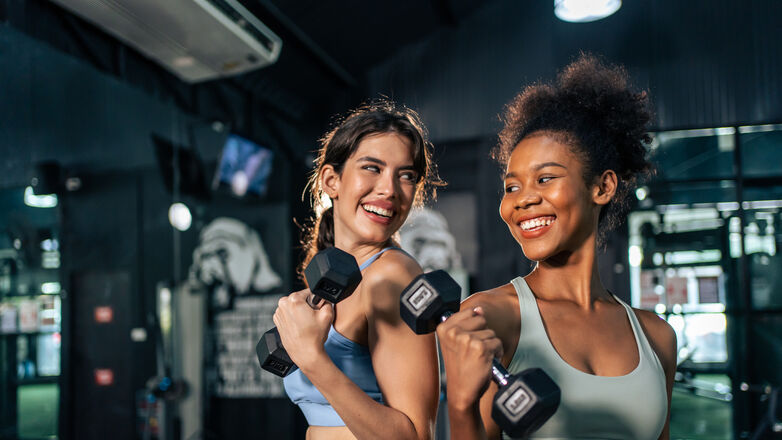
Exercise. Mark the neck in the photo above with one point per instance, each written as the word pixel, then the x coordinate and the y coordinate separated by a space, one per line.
pixel 345 241
pixel 570 276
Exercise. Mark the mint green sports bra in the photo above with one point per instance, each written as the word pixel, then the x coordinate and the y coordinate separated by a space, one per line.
pixel 633 406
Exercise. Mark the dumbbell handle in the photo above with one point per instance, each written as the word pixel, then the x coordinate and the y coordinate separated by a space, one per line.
pixel 498 372
pixel 314 301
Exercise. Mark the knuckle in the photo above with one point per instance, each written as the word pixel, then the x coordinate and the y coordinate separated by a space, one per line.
pixel 462 338
pixel 476 345
pixel 451 333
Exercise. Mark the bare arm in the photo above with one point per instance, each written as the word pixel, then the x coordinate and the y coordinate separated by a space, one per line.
pixel 468 347
pixel 469 340
pixel 662 338
pixel 405 364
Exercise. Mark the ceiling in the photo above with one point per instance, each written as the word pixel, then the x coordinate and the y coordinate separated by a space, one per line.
pixel 327 49
pixel 329 46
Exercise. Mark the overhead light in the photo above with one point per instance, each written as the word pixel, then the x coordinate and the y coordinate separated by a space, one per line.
pixel 635 256
pixel 39 201
pixel 50 288
pixel 584 11
pixel 641 193
pixel 179 216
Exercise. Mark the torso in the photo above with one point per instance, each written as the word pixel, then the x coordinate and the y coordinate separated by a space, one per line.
pixel 598 342
pixel 592 350
pixel 329 433
pixel 351 322
pixel 596 346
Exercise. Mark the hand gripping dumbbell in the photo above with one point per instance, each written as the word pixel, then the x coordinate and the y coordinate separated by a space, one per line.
pixel 524 401
pixel 332 276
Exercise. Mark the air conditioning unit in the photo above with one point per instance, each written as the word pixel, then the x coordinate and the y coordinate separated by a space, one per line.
pixel 197 40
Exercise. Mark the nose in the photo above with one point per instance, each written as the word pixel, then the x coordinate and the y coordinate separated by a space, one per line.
pixel 387 184
pixel 526 198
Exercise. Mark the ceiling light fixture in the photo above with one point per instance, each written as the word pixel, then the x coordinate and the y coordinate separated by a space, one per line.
pixel 584 11
pixel 179 216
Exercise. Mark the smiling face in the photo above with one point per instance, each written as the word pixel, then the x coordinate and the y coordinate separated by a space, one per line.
pixel 546 204
pixel 373 194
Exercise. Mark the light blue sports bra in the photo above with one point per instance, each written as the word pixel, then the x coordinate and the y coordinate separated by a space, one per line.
pixel 351 358
pixel 633 406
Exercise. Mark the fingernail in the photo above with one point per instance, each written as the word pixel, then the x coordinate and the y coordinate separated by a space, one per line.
pixel 477 310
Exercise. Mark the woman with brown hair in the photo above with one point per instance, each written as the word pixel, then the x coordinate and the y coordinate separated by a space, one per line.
pixel 362 372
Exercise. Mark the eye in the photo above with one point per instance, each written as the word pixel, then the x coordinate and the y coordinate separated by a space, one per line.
pixel 511 188
pixel 372 168
pixel 544 179
pixel 409 176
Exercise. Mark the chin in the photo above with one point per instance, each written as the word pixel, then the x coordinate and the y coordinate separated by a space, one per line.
pixel 537 251
pixel 374 236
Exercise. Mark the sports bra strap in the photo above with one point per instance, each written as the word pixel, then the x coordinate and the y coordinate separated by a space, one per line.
pixel 372 259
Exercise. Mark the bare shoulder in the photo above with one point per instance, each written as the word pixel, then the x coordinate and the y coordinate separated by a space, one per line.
pixel 385 279
pixel 501 308
pixel 393 266
pixel 660 335
pixel 496 299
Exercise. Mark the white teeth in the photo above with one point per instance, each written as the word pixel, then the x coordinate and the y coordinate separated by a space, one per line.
pixel 536 222
pixel 377 210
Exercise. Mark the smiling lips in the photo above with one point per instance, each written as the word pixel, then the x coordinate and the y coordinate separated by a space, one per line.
pixel 537 226
pixel 379 214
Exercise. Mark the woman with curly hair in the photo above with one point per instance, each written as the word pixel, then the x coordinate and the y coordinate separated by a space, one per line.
pixel 362 372
pixel 572 152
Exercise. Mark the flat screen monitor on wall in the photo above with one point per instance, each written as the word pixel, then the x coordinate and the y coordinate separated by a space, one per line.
pixel 244 167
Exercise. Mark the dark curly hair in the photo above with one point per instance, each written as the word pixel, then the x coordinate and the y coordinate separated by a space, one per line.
pixel 592 109
pixel 378 116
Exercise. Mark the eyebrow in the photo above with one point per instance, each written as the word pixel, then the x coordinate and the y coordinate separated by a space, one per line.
pixel 538 167
pixel 380 162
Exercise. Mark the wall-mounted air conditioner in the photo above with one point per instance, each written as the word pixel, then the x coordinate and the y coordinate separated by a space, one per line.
pixel 197 40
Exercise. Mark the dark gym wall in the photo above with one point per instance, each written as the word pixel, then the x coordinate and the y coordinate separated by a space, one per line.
pixel 707 63
pixel 57 107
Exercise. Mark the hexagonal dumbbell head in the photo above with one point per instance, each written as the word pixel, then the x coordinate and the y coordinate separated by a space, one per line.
pixel 332 274
pixel 528 400
pixel 272 355
pixel 427 298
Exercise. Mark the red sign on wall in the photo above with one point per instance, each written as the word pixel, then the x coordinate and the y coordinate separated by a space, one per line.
pixel 104 314
pixel 104 377
pixel 676 288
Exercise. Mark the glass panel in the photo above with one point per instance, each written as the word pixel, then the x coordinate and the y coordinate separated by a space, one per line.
pixel 762 242
pixel 679 250
pixel 38 410
pixel 692 194
pixel 694 154
pixel 30 312
pixel 766 334
pixel 680 266
pixel 701 407
pixel 761 150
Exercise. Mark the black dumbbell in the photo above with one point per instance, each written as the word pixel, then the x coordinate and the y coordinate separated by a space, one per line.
pixel 332 276
pixel 524 401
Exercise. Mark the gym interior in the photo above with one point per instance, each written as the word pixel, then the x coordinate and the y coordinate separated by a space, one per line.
pixel 151 192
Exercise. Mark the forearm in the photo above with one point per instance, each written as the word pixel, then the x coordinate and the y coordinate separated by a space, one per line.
pixel 465 422
pixel 366 418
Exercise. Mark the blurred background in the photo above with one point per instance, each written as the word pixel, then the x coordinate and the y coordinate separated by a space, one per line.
pixel 156 153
